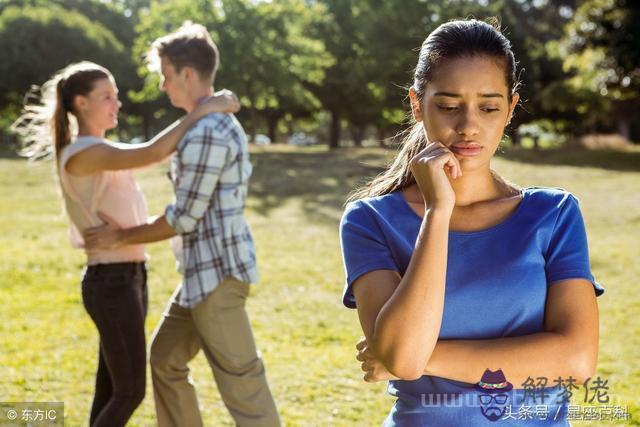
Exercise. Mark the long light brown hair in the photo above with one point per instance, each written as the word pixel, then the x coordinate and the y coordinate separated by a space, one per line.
pixel 48 120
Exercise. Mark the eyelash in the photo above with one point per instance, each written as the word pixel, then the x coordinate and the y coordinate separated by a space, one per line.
pixel 451 109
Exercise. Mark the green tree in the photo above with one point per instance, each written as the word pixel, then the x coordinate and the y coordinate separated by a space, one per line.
pixel 374 44
pixel 37 41
pixel 531 25
pixel 154 21
pixel 601 51
pixel 343 36
pixel 265 54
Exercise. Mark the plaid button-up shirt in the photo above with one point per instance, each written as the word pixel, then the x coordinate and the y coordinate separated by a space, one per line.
pixel 210 173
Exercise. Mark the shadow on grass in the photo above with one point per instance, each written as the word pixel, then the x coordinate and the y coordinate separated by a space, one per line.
pixel 322 181
pixel 604 159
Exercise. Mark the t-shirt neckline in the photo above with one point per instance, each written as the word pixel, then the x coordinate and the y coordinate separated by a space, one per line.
pixel 523 192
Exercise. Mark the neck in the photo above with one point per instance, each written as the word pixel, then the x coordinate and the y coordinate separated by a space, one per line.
pixel 471 187
pixel 87 129
pixel 196 96
pixel 475 186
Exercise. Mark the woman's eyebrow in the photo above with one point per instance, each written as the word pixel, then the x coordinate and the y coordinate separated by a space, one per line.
pixel 448 94
pixel 457 95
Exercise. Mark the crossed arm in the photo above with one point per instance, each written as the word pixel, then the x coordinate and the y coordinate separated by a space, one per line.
pixel 567 346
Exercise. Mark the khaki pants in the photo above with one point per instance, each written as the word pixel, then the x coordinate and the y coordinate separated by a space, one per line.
pixel 220 327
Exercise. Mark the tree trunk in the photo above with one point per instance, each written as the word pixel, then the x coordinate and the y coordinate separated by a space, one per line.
pixel 334 140
pixel 146 123
pixel 357 133
pixel 624 128
pixel 253 125
pixel 515 138
pixel 252 121
pixel 380 136
pixel 273 128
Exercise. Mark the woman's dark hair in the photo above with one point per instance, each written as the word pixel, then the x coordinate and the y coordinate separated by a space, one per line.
pixel 452 40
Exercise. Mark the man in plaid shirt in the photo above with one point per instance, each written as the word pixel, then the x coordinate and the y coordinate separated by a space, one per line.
pixel 210 173
pixel 213 246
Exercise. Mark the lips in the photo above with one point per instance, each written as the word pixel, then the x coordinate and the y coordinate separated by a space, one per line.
pixel 466 148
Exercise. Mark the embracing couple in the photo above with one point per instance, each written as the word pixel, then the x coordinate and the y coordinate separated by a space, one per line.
pixel 212 242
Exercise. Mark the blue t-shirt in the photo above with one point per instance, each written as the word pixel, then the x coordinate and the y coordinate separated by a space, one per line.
pixel 496 286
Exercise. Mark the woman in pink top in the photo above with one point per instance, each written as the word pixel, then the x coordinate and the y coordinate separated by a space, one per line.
pixel 95 176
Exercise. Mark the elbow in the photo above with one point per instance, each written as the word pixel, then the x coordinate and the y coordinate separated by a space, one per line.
pixel 583 364
pixel 183 224
pixel 407 366
pixel 406 371
pixel 583 368
pixel 184 216
pixel 185 227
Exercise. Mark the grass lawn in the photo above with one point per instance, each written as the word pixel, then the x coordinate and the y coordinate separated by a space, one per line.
pixel 48 349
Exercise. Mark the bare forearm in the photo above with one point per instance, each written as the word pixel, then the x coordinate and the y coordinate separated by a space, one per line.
pixel 164 143
pixel 544 354
pixel 154 231
pixel 408 325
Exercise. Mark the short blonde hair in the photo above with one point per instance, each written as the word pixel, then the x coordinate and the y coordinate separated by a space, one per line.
pixel 190 45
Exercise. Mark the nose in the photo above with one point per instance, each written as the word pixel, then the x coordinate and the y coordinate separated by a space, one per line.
pixel 467 124
pixel 162 85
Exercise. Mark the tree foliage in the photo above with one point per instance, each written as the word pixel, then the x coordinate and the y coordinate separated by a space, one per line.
pixel 37 41
pixel 266 55
pixel 353 59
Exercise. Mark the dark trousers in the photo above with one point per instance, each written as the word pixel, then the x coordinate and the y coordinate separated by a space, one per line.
pixel 115 296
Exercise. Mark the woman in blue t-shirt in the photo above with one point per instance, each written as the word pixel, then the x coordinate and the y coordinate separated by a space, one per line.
pixel 476 297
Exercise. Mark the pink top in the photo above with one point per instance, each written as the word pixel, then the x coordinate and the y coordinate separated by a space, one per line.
pixel 114 193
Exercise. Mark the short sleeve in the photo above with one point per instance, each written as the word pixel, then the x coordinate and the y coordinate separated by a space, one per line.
pixel 363 247
pixel 567 256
